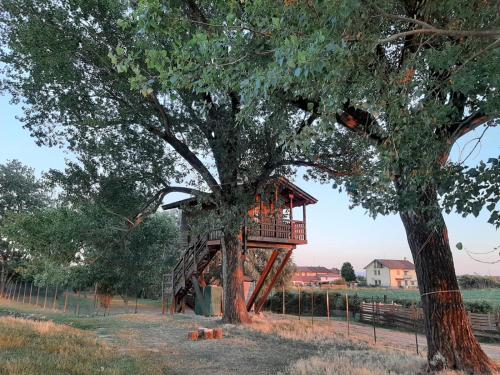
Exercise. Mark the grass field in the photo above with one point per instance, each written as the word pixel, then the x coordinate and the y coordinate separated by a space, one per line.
pixel 149 343
pixel 32 348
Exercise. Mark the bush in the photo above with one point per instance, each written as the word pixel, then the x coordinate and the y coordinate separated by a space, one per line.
pixel 477 282
pixel 482 307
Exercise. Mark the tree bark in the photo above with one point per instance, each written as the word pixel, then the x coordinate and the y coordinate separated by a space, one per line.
pixel 235 310
pixel 450 339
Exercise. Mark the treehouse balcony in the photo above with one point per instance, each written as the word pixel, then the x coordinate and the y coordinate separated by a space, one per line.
pixel 261 231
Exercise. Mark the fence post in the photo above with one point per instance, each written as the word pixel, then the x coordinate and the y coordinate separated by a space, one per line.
pixel 312 306
pixel 45 300
pixel 31 292
pixel 19 291
pixel 327 305
pixel 14 294
pixel 283 297
pixel 415 325
pixel 78 303
pixel 373 320
pixel 95 297
pixel 162 299
pixel 347 312
pixel 9 289
pixel 54 300
pixel 299 301
pixel 66 300
pixel 24 292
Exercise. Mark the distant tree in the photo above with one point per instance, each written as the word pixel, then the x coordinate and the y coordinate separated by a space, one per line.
pixel 347 272
pixel 20 192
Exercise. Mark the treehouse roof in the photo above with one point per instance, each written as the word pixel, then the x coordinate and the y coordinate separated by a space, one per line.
pixel 287 189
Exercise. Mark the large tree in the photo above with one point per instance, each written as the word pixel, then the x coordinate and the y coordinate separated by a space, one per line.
pixel 406 79
pixel 20 192
pixel 146 76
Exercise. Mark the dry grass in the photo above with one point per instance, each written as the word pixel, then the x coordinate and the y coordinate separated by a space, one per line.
pixel 29 347
pixel 341 355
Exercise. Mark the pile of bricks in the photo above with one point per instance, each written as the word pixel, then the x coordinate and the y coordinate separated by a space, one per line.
pixel 205 333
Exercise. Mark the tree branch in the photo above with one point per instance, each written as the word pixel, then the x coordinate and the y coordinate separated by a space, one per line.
pixel 459 129
pixel 359 121
pixel 493 34
pixel 180 147
pixel 322 167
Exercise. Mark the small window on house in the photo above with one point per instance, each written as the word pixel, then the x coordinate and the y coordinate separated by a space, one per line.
pixel 406 273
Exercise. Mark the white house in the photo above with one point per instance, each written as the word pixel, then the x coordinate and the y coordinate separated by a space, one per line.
pixel 391 273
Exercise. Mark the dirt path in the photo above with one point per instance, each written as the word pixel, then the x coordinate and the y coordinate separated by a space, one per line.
pixel 240 352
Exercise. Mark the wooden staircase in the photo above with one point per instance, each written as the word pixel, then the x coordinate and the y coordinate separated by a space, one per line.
pixel 192 263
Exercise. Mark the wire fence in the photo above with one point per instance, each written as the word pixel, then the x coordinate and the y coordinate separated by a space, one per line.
pixel 83 302
pixel 378 311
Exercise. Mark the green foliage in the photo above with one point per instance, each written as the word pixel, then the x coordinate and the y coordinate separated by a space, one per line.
pixel 477 282
pixel 20 193
pixel 347 272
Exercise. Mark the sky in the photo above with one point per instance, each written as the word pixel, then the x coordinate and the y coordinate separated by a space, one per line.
pixel 336 234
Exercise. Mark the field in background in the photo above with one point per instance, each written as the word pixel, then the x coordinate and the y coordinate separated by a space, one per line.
pixel 492 296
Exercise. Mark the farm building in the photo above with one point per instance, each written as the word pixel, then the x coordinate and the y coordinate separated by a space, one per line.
pixel 276 222
pixel 391 273
pixel 314 276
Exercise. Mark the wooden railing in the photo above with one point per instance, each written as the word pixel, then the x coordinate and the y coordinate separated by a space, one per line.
pixel 282 229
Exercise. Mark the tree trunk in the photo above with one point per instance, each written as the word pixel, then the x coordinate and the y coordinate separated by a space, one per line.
pixel 450 340
pixel 235 310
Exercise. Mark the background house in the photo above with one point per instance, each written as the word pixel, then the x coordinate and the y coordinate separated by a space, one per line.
pixel 314 276
pixel 391 273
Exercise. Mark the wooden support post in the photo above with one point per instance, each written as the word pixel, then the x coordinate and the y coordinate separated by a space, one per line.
pixel 304 220
pixel 45 300
pixel 347 312
pixel 262 279
pixel 261 302
pixel 31 292
pixel 327 305
pixel 55 300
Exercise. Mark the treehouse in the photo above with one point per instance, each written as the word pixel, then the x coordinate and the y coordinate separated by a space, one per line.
pixel 277 222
